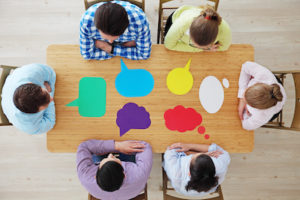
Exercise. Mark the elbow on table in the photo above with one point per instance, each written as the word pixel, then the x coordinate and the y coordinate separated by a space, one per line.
pixel 248 128
pixel 169 46
pixel 85 55
pixel 146 56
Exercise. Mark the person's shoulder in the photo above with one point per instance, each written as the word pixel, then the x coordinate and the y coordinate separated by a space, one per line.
pixel 129 6
pixel 188 8
pixel 135 13
pixel 89 14
pixel 224 26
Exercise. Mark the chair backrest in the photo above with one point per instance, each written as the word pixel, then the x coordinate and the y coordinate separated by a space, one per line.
pixel 170 194
pixel 142 196
pixel 296 119
pixel 5 71
pixel 162 18
pixel 139 3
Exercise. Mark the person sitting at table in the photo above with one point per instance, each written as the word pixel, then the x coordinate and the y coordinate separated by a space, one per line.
pixel 117 28
pixel 195 29
pixel 114 178
pixel 199 173
pixel 261 96
pixel 27 98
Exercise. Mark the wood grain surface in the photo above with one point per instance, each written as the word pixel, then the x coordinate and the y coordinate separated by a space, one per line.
pixel 224 127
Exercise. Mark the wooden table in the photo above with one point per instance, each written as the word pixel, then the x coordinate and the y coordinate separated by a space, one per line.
pixel 224 127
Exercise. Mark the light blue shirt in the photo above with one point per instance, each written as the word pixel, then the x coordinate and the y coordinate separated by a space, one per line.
pixel 177 167
pixel 32 123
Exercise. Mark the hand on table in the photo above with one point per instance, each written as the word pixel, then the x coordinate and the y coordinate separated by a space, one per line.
pixel 242 108
pixel 181 147
pixel 215 154
pixel 48 88
pixel 129 44
pixel 105 46
pixel 128 147
pixel 213 47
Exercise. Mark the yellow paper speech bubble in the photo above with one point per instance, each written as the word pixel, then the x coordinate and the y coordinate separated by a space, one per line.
pixel 180 80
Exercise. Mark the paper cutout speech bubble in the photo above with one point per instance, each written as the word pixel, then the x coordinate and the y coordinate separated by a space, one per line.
pixel 211 94
pixel 132 116
pixel 91 100
pixel 182 119
pixel 134 82
pixel 180 80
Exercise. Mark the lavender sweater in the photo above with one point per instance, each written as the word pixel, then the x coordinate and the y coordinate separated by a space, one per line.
pixel 136 174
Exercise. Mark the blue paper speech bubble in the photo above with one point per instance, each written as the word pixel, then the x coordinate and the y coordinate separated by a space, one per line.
pixel 134 82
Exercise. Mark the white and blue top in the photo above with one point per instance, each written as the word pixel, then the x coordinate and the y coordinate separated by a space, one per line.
pixel 32 123
pixel 138 30
pixel 177 167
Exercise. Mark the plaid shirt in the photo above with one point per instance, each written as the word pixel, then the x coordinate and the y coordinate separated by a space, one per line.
pixel 137 30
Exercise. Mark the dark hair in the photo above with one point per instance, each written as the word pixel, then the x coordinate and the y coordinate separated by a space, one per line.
pixel 203 173
pixel 111 19
pixel 204 29
pixel 110 176
pixel 29 97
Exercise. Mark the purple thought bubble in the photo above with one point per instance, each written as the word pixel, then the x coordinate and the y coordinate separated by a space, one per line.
pixel 132 116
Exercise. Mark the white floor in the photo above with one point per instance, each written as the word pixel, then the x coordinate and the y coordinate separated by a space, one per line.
pixel 29 171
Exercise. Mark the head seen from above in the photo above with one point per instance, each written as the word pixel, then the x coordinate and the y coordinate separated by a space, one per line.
pixel 111 19
pixel 31 98
pixel 204 29
pixel 202 172
pixel 263 96
pixel 110 174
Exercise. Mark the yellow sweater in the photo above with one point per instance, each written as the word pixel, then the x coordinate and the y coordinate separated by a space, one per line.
pixel 178 36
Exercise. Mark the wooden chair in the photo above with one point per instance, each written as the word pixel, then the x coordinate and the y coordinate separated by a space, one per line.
pixel 139 3
pixel 5 71
pixel 164 13
pixel 170 194
pixel 279 123
pixel 142 196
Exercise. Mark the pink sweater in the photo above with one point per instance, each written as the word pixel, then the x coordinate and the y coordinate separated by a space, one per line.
pixel 251 74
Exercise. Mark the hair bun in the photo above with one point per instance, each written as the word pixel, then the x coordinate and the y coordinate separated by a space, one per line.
pixel 276 93
pixel 210 14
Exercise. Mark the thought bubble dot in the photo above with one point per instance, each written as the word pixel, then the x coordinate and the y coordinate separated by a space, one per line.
pixel 201 129
pixel 225 83
pixel 206 136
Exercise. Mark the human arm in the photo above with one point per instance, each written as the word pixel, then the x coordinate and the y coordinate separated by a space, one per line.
pixel 184 147
pixel 143 163
pixel 224 37
pixel 39 74
pixel 242 108
pixel 171 165
pixel 128 147
pixel 88 47
pixel 255 121
pixel 221 162
pixel 44 123
pixel 84 155
pixel 224 157
pixel 142 49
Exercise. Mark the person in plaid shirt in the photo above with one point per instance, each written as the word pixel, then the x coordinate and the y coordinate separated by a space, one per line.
pixel 116 28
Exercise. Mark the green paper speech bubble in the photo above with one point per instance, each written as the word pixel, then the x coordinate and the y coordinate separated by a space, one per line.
pixel 91 100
